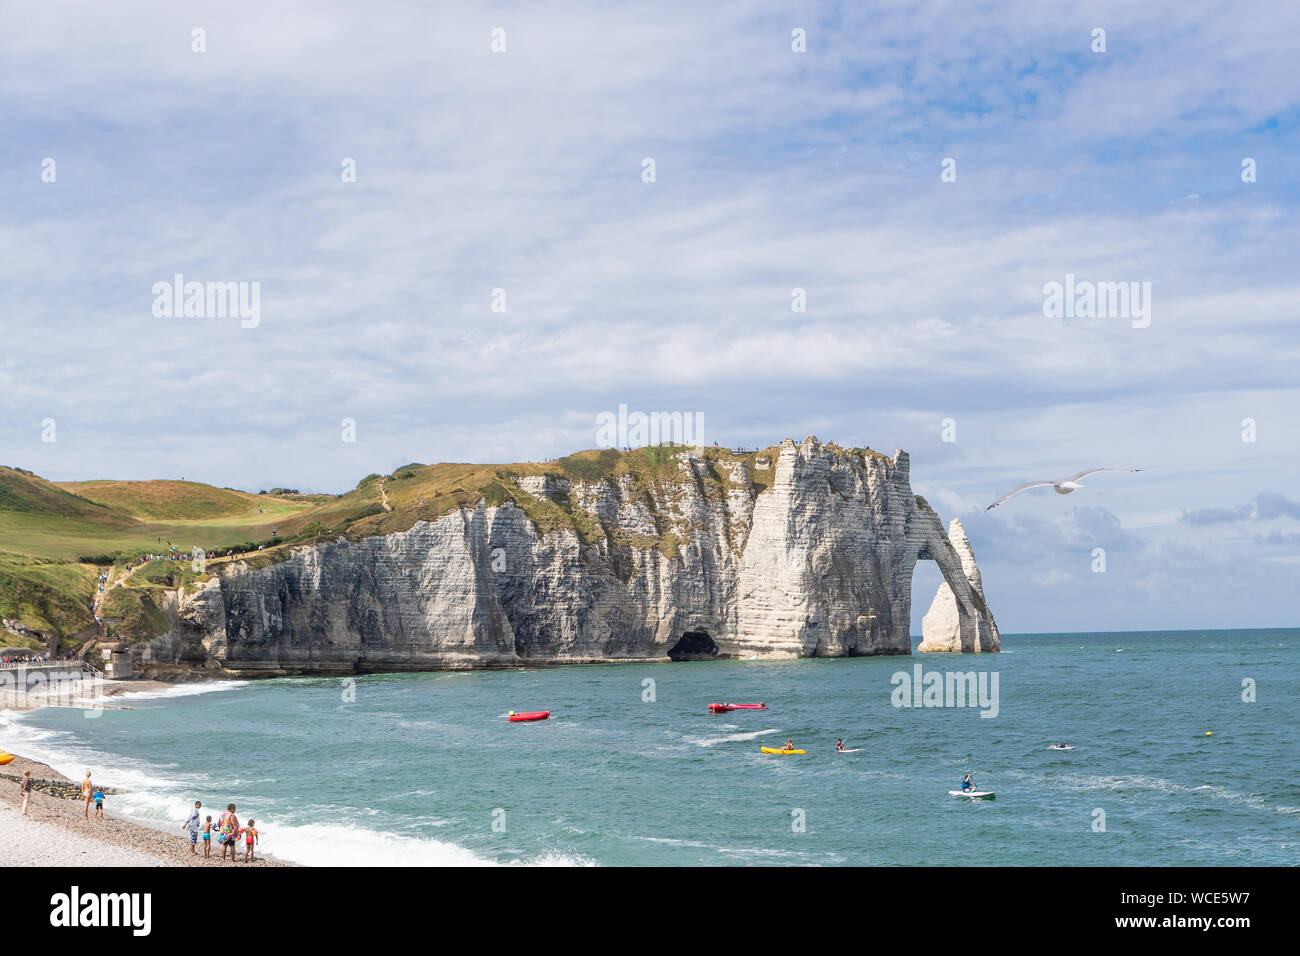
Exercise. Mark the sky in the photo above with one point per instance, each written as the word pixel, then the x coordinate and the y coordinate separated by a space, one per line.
pixel 829 170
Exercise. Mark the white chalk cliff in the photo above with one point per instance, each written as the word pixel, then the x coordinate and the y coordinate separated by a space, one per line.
pixel 816 562
pixel 955 622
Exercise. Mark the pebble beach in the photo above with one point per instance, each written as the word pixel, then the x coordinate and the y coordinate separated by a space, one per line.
pixel 55 833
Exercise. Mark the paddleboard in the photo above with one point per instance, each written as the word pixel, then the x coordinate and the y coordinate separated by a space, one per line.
pixel 974 794
pixel 773 750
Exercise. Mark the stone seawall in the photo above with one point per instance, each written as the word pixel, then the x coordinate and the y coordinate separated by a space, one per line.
pixel 58 788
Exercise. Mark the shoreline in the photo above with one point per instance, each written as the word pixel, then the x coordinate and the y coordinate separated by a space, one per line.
pixel 55 832
pixel 103 689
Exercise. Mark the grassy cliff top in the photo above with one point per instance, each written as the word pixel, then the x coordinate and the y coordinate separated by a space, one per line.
pixel 164 500
pixel 55 538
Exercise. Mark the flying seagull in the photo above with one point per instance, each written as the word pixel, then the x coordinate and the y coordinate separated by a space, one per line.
pixel 1063 486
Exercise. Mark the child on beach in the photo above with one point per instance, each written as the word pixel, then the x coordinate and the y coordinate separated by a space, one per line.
pixel 192 824
pixel 207 838
pixel 250 837
pixel 99 804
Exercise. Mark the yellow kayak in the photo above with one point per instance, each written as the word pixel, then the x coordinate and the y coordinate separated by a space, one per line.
pixel 5 758
pixel 773 750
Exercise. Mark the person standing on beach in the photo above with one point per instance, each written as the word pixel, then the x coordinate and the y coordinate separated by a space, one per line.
pixel 99 803
pixel 192 824
pixel 25 788
pixel 250 837
pixel 87 788
pixel 228 827
pixel 207 838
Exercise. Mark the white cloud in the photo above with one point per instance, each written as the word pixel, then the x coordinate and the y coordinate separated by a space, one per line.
pixel 775 170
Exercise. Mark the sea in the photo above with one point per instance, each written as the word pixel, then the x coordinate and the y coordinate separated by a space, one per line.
pixel 1186 752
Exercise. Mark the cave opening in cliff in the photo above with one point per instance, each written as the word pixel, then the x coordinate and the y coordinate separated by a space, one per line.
pixel 694 646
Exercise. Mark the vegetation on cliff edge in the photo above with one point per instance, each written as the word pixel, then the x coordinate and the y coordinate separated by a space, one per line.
pixel 55 538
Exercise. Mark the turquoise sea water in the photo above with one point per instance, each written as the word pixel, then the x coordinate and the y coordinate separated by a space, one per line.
pixel 420 766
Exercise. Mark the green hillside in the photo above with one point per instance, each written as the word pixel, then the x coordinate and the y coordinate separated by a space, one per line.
pixel 49 597
pixel 165 500
pixel 25 493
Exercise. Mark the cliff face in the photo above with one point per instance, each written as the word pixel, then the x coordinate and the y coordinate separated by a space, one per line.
pixel 818 564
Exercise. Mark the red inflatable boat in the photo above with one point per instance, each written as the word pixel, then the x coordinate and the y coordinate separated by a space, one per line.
pixel 534 715
pixel 725 708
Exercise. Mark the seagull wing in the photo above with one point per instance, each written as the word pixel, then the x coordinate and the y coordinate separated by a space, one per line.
pixel 1014 491
pixel 1093 471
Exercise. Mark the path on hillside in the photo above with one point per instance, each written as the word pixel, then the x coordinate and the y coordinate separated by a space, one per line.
pixel 97 603
pixel 116 580
pixel 98 600
pixel 383 496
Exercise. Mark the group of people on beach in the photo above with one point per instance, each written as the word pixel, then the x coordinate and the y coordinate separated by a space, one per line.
pixel 91 792
pixel 88 792
pixel 229 833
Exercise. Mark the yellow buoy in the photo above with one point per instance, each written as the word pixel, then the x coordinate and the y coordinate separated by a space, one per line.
pixel 1209 734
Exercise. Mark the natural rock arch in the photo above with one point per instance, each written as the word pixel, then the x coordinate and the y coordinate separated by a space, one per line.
pixel 958 619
